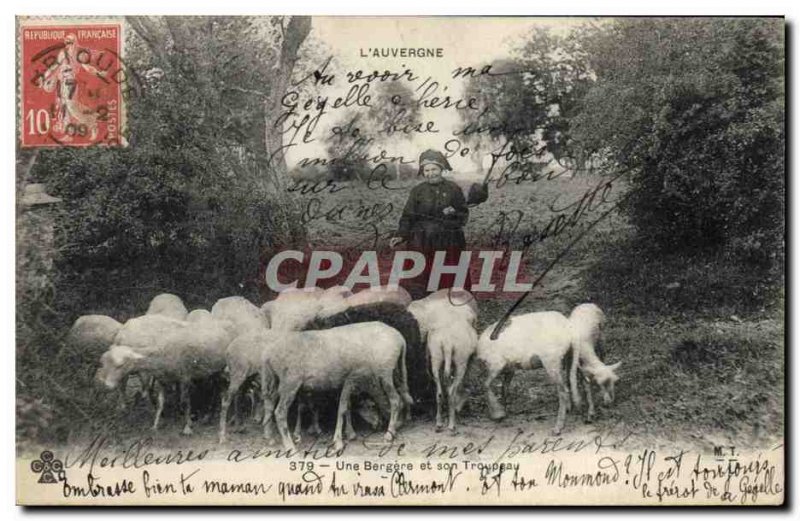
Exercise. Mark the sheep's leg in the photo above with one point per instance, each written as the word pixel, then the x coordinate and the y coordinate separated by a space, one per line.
pixel 230 394
pixel 349 431
pixel 208 412
pixel 159 403
pixel 344 409
pixel 248 396
pixel 587 385
pixel 408 401
pixel 186 401
pixel 314 427
pixel 496 410
pixel 147 387
pixel 556 376
pixel 436 369
pixel 453 393
pixel 256 411
pixel 573 377
pixel 268 396
pixel 302 406
pixel 505 384
pixel 394 404
pixel 287 393
pixel 122 403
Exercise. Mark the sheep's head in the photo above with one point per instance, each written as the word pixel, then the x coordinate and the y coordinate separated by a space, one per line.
pixel 369 412
pixel 115 364
pixel 605 377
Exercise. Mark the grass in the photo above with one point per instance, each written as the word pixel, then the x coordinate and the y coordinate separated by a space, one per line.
pixel 632 280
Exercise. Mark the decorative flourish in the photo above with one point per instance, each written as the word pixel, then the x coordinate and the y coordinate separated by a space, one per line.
pixel 49 467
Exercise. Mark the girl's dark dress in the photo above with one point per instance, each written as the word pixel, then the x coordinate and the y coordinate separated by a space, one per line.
pixel 424 225
pixel 427 229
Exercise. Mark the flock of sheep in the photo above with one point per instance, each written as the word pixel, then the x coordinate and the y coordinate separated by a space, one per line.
pixel 372 342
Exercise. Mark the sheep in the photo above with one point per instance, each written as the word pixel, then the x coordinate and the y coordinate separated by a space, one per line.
pixel 586 321
pixel 147 331
pixel 370 295
pixel 389 313
pixel 451 346
pixel 295 308
pixel 198 315
pixel 544 337
pixel 183 354
pixel 451 304
pixel 92 334
pixel 168 305
pixel 244 315
pixel 242 361
pixel 144 332
pixel 337 292
pixel 329 359
pixel 447 322
pixel 292 309
pixel 88 338
pixel 394 294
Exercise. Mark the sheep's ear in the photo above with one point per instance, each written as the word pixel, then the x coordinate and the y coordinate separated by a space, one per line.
pixel 616 366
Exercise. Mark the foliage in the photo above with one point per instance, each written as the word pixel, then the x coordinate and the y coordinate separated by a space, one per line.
pixel 192 196
pixel 527 102
pixel 192 206
pixel 694 110
pixel 357 135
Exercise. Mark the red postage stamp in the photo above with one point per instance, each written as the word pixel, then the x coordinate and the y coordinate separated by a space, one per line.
pixel 71 83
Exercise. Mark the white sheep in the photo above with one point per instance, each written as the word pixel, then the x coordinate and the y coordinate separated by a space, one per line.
pixel 144 332
pixel 395 294
pixel 198 315
pixel 182 355
pixel 168 305
pixel 331 359
pixel 586 322
pixel 451 304
pixel 88 338
pixel 147 331
pixel 337 292
pixel 447 325
pixel 92 335
pixel 293 309
pixel 450 346
pixel 543 337
pixel 243 360
pixel 244 314
pixel 339 298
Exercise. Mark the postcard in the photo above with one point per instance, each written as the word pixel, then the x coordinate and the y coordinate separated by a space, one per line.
pixel 292 260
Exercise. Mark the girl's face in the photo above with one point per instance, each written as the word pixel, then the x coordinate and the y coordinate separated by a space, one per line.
pixel 432 173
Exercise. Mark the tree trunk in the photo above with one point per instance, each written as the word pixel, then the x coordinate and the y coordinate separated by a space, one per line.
pixel 293 37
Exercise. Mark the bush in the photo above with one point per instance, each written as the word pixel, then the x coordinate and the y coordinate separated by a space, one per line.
pixel 191 207
pixel 695 110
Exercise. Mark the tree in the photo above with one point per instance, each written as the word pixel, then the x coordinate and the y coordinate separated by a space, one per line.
pixel 528 101
pixel 195 199
pixel 694 108
pixel 360 134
